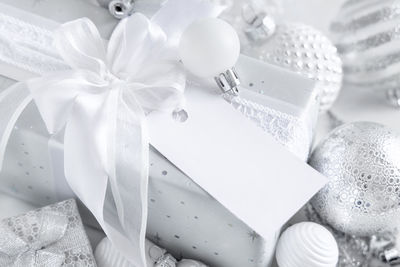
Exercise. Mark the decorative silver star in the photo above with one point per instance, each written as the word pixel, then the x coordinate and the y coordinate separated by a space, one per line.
pixel 253 235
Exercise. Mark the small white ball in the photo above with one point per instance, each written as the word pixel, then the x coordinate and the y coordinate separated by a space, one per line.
pixel 307 244
pixel 209 47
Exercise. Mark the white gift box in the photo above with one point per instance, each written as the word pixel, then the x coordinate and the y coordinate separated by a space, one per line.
pixel 183 217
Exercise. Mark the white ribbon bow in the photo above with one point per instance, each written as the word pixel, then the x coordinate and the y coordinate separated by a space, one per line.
pixel 101 103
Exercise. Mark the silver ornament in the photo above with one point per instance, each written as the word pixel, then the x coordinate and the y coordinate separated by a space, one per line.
pixel 366 34
pixel 362 161
pixel 304 50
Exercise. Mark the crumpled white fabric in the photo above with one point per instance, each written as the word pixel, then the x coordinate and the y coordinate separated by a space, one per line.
pixel 101 105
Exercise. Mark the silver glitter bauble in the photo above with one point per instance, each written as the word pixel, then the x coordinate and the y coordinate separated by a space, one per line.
pixel 366 34
pixel 307 51
pixel 362 161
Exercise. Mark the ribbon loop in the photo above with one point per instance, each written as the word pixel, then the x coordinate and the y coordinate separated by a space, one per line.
pixel 80 45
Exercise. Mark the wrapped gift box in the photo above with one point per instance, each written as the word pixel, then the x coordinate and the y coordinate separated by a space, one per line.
pixel 183 217
pixel 49 236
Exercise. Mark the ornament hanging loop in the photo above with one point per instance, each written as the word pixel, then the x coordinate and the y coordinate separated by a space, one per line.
pixel 229 81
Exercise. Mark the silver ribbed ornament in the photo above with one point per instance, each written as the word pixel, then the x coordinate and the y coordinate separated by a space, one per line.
pixel 362 161
pixel 367 35
pixel 304 50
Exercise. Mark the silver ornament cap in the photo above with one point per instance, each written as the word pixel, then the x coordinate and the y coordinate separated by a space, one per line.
pixel 167 260
pixel 362 161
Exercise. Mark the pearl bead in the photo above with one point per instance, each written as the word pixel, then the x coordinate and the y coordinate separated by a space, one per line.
pixel 307 244
pixel 209 47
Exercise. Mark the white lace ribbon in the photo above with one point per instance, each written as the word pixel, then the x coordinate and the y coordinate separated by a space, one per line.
pixel 101 104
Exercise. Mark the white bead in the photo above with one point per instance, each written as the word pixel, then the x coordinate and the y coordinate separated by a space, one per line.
pixel 209 47
pixel 190 263
pixel 307 244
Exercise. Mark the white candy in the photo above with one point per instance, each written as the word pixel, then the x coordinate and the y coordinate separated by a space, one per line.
pixel 209 47
pixel 307 244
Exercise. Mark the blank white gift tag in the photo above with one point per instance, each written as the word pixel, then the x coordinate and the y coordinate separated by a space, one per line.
pixel 235 161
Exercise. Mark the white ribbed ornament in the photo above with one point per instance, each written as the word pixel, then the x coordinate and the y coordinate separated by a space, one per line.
pixel 307 244
pixel 107 255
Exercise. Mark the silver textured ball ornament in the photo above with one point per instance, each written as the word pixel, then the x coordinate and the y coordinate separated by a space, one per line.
pixel 362 162
pixel 366 34
pixel 304 50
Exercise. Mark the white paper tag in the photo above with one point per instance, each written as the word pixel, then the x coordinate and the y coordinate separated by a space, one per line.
pixel 235 161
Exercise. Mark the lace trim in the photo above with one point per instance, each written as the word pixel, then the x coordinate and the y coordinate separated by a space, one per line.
pixel 290 131
pixel 28 47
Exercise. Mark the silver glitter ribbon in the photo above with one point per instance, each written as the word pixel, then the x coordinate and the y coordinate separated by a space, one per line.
pixel 18 251
pixel 49 237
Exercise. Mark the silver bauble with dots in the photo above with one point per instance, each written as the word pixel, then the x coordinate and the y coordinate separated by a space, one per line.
pixel 306 51
pixel 362 162
pixel 367 34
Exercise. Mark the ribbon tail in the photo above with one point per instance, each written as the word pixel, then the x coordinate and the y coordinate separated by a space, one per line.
pixel 13 102
pixel 129 171
pixel 107 173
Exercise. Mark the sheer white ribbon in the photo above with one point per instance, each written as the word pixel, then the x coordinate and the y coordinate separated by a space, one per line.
pixel 101 105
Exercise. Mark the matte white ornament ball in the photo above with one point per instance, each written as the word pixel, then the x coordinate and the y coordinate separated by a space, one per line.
pixel 362 162
pixel 307 244
pixel 209 47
